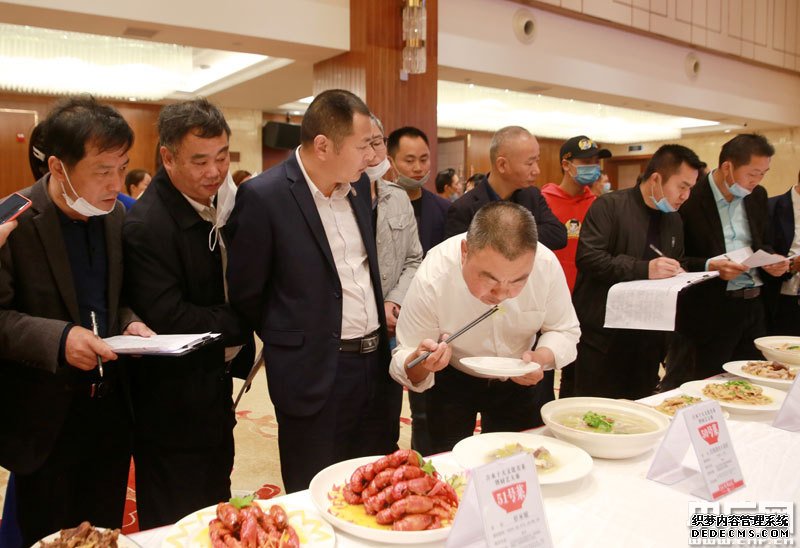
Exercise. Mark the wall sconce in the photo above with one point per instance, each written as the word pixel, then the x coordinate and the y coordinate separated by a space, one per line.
pixel 415 20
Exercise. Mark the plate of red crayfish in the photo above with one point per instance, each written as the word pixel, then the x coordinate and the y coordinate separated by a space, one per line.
pixel 398 498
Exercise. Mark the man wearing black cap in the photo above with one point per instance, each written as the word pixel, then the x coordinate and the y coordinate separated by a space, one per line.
pixel 631 234
pixel 569 201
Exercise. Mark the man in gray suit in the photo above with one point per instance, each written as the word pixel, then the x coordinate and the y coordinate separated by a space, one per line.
pixel 65 432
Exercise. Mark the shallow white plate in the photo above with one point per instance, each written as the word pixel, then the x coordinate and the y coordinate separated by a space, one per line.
pixel 702 399
pixel 499 367
pixel 311 529
pixel 571 462
pixel 338 474
pixel 736 369
pixel 695 388
pixel 767 347
pixel 122 540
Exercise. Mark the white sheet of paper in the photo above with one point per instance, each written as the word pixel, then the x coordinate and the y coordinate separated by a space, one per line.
pixel 738 256
pixel 762 258
pixel 788 417
pixel 157 344
pixel 649 304
pixel 704 426
pixel 502 507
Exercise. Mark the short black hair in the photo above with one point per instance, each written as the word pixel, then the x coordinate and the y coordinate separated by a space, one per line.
pixel 133 178
pixel 331 114
pixel 741 149
pixel 37 156
pixel 393 142
pixel 444 178
pixel 668 160
pixel 197 116
pixel 80 121
pixel 506 227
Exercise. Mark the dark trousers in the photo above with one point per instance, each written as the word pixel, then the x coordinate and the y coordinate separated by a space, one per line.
pixel 703 345
pixel 174 482
pixel 785 318
pixel 85 477
pixel 505 406
pixel 352 422
pixel 628 368
pixel 420 434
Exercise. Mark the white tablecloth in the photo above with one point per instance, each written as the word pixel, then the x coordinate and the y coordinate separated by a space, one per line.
pixel 616 506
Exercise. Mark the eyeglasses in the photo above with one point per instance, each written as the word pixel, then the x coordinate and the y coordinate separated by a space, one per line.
pixel 378 143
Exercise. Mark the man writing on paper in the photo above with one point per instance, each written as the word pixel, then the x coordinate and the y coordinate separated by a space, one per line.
pixel 718 320
pixel 174 277
pixel 498 261
pixel 623 238
pixel 65 432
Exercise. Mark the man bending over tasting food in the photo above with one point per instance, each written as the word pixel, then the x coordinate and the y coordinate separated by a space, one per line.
pixel 496 261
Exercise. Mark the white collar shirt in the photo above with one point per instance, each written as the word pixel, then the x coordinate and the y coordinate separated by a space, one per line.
pixel 438 302
pixel 359 307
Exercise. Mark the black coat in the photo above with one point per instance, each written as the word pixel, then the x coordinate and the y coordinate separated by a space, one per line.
pixel 704 239
pixel 552 232
pixel 282 278
pixel 610 250
pixel 175 284
pixel 37 301
pixel 432 220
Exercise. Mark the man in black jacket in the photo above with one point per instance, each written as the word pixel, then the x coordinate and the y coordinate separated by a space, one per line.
pixel 718 320
pixel 782 302
pixel 174 277
pixel 621 240
pixel 514 154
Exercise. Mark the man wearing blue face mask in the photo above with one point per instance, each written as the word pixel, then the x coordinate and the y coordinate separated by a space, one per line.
pixel 618 242
pixel 570 200
pixel 718 320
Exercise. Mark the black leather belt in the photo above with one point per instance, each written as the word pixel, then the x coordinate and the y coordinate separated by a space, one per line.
pixel 364 345
pixel 745 293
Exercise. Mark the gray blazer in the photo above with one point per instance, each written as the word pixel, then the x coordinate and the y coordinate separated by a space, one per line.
pixel 37 301
pixel 399 249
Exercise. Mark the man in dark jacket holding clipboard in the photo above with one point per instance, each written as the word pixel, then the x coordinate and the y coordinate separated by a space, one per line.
pixel 631 234
pixel 174 277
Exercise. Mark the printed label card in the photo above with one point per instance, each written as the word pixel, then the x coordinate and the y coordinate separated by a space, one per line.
pixel 788 417
pixel 702 427
pixel 502 507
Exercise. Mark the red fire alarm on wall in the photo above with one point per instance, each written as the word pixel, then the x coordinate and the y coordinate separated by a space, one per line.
pixel 20 137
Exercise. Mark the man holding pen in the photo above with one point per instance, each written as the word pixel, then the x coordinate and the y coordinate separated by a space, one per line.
pixel 632 234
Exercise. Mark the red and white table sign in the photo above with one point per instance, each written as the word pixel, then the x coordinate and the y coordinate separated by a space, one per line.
pixel 502 507
pixel 788 417
pixel 703 427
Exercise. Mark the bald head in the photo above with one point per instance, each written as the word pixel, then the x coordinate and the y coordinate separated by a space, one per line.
pixel 514 153
pixel 504 137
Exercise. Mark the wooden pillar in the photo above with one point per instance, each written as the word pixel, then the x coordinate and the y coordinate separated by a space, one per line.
pixel 371 69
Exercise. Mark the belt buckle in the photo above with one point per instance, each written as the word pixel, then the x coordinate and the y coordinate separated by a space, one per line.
pixel 369 344
pixel 751 292
pixel 98 389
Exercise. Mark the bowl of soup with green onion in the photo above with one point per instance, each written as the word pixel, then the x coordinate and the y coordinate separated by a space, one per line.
pixel 605 428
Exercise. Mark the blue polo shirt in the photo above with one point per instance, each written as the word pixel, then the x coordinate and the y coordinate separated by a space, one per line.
pixel 85 242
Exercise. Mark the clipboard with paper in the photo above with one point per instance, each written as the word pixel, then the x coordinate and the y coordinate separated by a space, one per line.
pixel 160 345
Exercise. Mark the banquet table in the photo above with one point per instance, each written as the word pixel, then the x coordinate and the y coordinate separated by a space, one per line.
pixel 616 505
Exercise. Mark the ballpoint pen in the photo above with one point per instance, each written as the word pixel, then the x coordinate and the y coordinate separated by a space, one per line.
pixel 656 250
pixel 94 328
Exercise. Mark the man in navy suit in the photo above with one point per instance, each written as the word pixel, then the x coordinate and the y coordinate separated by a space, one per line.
pixel 783 306
pixel 303 271
pixel 411 157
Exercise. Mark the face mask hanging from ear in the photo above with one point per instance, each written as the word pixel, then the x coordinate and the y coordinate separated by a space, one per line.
pixel 376 172
pixel 226 199
pixel 409 183
pixel 736 189
pixel 80 206
pixel 663 204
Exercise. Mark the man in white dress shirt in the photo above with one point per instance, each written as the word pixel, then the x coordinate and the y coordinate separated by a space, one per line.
pixel 496 261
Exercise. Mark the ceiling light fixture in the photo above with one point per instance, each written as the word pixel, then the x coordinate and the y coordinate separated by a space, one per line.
pixel 481 108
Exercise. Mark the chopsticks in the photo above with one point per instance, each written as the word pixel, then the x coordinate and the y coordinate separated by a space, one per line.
pixel 451 338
